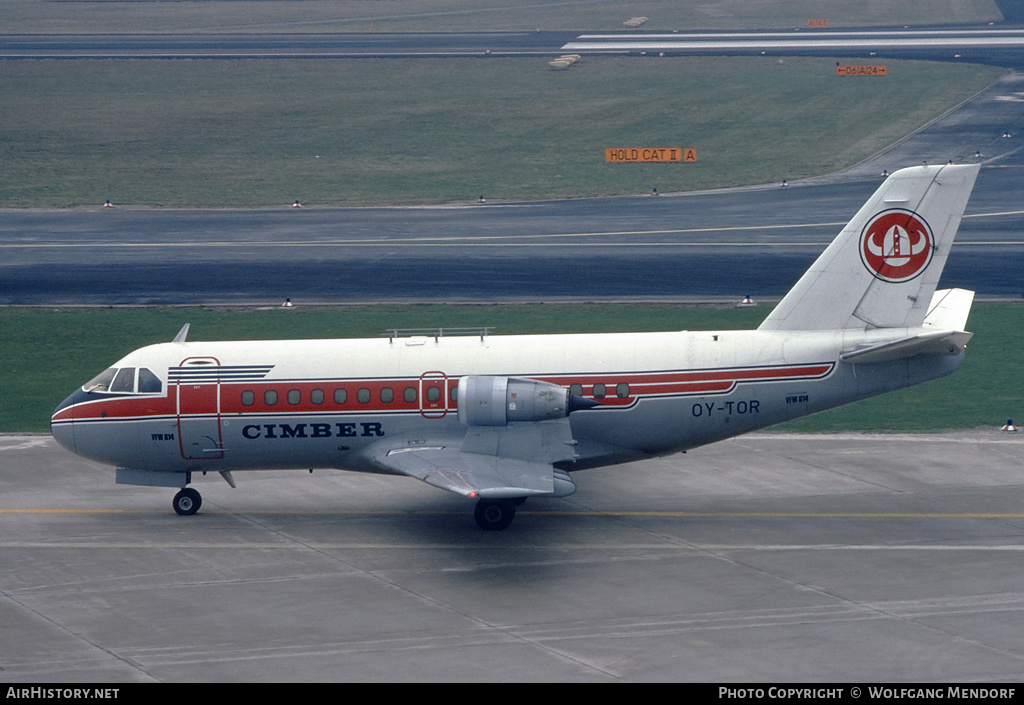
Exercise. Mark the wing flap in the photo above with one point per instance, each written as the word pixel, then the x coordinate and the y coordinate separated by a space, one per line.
pixel 476 474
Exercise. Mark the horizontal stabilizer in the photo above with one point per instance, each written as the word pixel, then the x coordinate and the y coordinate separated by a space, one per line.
pixel 943 342
pixel 947 317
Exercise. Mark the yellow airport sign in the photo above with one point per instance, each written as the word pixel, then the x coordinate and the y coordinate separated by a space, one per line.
pixel 860 70
pixel 646 154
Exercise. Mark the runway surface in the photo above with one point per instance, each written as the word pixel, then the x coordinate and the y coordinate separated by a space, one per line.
pixel 280 46
pixel 768 558
pixel 1001 45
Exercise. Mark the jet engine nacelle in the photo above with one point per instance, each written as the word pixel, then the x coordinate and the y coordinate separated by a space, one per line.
pixel 498 401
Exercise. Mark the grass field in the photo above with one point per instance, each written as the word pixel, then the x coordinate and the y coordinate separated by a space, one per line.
pixel 47 353
pixel 268 132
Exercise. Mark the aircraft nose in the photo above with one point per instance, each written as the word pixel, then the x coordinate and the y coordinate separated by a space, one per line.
pixel 64 434
pixel 62 426
pixel 70 400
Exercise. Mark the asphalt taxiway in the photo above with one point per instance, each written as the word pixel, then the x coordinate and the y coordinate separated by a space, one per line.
pixel 844 558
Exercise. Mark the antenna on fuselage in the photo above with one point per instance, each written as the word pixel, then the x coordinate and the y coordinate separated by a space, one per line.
pixel 182 334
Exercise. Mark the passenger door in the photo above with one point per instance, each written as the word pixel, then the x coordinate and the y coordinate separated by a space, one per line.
pixel 197 388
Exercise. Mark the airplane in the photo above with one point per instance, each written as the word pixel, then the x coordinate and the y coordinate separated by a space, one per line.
pixel 500 419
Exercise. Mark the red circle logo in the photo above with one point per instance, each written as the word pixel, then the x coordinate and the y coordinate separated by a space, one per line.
pixel 896 245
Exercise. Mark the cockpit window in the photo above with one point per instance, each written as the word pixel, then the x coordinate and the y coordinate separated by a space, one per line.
pixel 124 381
pixel 148 382
pixel 101 382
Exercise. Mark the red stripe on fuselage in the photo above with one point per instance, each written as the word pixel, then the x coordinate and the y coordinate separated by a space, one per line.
pixel 119 407
pixel 641 385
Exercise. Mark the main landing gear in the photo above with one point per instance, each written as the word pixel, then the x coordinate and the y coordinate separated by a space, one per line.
pixel 495 514
pixel 187 502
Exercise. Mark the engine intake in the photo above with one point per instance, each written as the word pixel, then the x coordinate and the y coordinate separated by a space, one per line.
pixel 499 401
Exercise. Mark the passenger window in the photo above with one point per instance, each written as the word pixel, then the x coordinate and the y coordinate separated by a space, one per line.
pixel 248 397
pixel 622 390
pixel 124 381
pixel 101 382
pixel 453 393
pixel 149 383
pixel 294 396
pixel 340 396
pixel 433 394
pixel 599 390
pixel 270 397
pixel 363 395
pixel 409 394
pixel 387 395
pixel 576 389
pixel 317 396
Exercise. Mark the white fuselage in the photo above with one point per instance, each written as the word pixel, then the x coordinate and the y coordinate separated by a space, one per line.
pixel 319 403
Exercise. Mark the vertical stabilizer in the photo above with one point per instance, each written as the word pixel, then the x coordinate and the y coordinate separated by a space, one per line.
pixel 882 269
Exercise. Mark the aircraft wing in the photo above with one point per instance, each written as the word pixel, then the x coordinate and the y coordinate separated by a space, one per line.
pixel 489 462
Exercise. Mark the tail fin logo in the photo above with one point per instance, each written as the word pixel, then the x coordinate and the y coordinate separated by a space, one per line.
pixel 896 245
